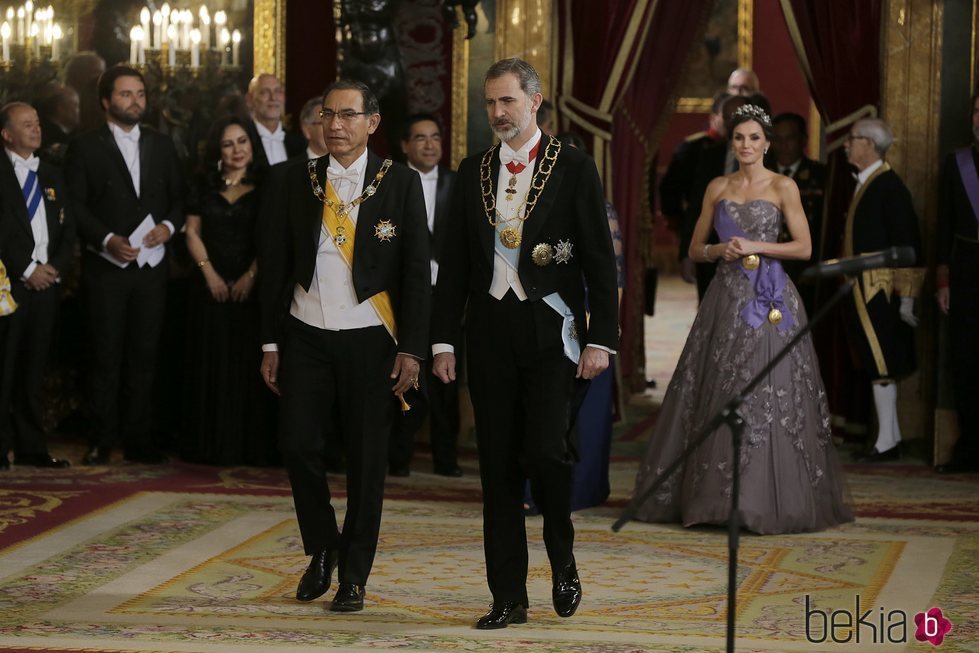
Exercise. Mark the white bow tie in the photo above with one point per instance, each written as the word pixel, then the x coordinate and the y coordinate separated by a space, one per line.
pixel 29 164
pixel 523 156
pixel 431 175
pixel 277 135
pixel 340 174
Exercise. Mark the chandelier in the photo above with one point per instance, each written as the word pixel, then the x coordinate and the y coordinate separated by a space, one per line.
pixel 178 38
pixel 29 33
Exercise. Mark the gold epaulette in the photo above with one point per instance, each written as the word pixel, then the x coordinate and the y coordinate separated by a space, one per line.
pixel 904 282
pixel 695 136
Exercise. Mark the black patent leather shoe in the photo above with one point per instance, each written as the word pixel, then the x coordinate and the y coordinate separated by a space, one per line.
pixel 566 591
pixel 874 456
pixel 97 456
pixel 349 598
pixel 40 460
pixel 318 576
pixel 502 615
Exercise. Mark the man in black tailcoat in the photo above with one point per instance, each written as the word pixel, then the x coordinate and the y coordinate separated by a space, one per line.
pixel 345 298
pixel 529 232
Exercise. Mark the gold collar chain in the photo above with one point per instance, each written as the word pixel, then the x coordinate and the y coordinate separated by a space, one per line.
pixel 537 183
pixel 342 209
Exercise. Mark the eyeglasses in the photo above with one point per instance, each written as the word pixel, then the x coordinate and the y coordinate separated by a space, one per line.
pixel 853 137
pixel 345 116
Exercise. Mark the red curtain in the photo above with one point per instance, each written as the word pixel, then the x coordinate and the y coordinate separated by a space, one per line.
pixel 838 44
pixel 618 96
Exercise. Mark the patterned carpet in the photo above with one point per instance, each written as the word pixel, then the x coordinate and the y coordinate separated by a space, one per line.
pixel 188 558
pixel 192 558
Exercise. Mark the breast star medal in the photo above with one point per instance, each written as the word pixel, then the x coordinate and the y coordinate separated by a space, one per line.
pixel 385 231
pixel 751 262
pixel 562 251
pixel 50 194
pixel 542 254
pixel 510 238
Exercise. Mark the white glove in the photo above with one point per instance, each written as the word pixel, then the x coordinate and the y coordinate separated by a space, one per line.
pixel 907 311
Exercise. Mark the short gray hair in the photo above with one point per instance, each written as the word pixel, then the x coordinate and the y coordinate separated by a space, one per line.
pixel 877 131
pixel 310 110
pixel 523 71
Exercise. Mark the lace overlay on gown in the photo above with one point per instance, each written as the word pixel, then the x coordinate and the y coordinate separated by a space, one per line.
pixel 791 479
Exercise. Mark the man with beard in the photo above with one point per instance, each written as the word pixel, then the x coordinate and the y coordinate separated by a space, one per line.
pixel 529 232
pixel 127 194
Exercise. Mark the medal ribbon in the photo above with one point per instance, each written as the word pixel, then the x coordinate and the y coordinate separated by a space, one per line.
pixel 381 302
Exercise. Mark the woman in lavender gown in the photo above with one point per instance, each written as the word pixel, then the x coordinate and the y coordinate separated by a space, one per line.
pixel 791 479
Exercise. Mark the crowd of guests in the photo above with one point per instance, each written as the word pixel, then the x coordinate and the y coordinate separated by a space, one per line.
pixel 161 236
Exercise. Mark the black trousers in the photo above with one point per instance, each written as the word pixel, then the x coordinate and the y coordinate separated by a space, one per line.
pixel 126 309
pixel 964 339
pixel 27 344
pixel 342 376
pixel 521 385
pixel 440 401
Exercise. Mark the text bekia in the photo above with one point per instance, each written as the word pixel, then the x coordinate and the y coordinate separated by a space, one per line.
pixel 842 626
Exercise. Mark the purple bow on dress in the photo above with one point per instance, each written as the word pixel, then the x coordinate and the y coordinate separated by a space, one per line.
pixel 768 278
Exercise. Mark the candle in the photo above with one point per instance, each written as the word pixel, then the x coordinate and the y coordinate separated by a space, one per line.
pixel 220 18
pixel 157 34
pixel 205 26
pixel 56 35
pixel 235 42
pixel 165 20
pixel 134 36
pixel 28 17
pixel 195 48
pixel 144 23
pixel 21 33
pixel 188 16
pixel 36 41
pixel 172 46
pixel 5 34
pixel 225 38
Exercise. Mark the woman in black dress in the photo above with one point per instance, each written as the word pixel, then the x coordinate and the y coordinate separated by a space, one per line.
pixel 230 416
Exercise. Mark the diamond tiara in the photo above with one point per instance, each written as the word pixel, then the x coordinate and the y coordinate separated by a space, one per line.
pixel 754 111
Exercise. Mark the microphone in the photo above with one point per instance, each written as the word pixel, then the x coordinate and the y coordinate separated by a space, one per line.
pixel 894 257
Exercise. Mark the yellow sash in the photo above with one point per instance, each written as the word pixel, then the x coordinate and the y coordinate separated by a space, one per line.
pixel 381 302
pixel 7 303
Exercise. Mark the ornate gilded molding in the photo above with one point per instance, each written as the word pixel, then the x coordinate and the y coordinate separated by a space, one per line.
pixel 460 96
pixel 269 31
pixel 746 15
pixel 523 29
pixel 694 105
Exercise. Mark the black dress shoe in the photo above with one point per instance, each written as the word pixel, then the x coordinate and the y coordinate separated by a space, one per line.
pixel 349 598
pixel 452 472
pixel 566 591
pixel 400 472
pixel 318 575
pixel 97 456
pixel 502 615
pixel 40 460
pixel 874 456
pixel 957 468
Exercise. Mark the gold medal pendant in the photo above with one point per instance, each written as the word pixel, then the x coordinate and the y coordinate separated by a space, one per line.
pixel 751 262
pixel 774 315
pixel 542 254
pixel 510 238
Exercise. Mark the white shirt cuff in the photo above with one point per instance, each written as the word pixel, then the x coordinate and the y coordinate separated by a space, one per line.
pixel 105 241
pixel 611 351
pixel 270 346
pixel 29 271
pixel 442 348
pixel 169 226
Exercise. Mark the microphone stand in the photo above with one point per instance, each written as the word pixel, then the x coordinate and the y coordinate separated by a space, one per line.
pixel 731 415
